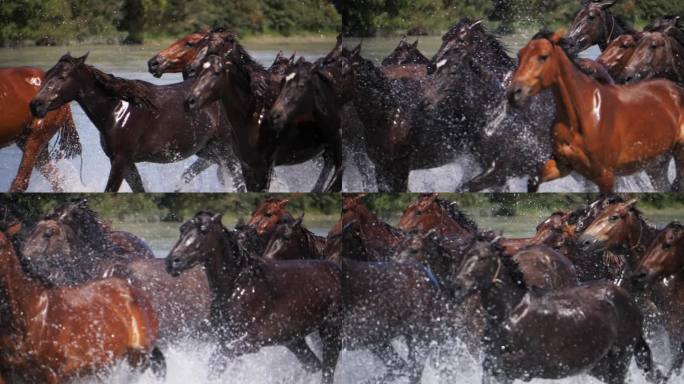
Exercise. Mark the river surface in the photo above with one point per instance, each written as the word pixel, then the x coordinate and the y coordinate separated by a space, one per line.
pixel 188 359
pixel 89 173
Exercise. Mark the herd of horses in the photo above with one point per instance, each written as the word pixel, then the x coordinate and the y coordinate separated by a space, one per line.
pixel 554 113
pixel 579 296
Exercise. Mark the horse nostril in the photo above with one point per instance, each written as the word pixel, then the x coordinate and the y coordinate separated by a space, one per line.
pixel 191 102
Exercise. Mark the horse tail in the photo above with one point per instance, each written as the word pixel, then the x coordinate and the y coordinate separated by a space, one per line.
pixel 644 360
pixel 69 143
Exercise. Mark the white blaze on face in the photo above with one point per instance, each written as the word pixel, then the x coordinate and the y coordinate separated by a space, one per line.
pixel 290 77
pixel 35 81
pixel 206 65
pixel 441 63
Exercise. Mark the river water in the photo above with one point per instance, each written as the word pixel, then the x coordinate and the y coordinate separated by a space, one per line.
pixel 188 359
pixel 89 173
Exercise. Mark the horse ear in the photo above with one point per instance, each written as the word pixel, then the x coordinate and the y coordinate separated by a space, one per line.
pixel 415 44
pixel 217 218
pixel 632 203
pixel 299 220
pixel 433 196
pixel 82 59
pixel 357 50
pixel 83 203
pixel 558 36
pixel 293 57
pixel 282 203
pixel 606 4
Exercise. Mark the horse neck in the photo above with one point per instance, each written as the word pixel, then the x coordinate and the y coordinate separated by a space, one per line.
pixel 222 269
pixel 96 103
pixel 241 106
pixel 372 99
pixel 573 92
pixel 639 241
pixel 498 303
pixel 16 289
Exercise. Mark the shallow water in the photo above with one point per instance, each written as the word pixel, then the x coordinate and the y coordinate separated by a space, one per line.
pixel 188 359
pixel 89 173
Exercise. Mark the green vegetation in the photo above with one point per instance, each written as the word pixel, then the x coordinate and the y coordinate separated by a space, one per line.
pixel 65 21
pixel 153 207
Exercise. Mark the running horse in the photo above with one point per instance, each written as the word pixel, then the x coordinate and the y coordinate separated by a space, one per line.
pixel 601 131
pixel 429 212
pixel 661 275
pixel 245 311
pixel 52 335
pixel 138 121
pixel 17 87
pixel 659 54
pixel 594 328
pixel 618 53
pixel 594 24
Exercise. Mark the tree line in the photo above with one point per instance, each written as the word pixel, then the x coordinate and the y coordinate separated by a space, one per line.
pixel 49 22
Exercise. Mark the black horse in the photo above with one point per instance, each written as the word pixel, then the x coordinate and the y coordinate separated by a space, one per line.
pixel 138 121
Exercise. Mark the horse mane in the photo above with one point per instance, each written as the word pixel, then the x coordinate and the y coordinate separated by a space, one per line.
pixel 88 228
pixel 457 215
pixel 133 91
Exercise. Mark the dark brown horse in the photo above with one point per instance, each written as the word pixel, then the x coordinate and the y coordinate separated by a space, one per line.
pixel 599 130
pixel 594 24
pixel 405 53
pixel 429 212
pixel 292 241
pixel 658 55
pixel 51 335
pixel 138 121
pixel 71 246
pixel 257 303
pixel 661 273
pixel 308 96
pixel 594 328
pixel 17 87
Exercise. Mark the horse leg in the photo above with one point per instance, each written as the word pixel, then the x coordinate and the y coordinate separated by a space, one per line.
pixel 304 354
pixel 644 360
pixel 218 361
pixel 134 180
pixel 417 356
pixel 233 165
pixel 389 356
pixel 141 361
pixel 199 166
pixel 257 179
pixel 678 185
pixel 328 165
pixel 393 177
pixel 677 361
pixel 120 167
pixel 606 181
pixel 30 152
pixel 332 345
pixel 492 178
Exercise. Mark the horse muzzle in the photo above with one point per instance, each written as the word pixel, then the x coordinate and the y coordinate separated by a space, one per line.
pixel 38 108
pixel 156 67
pixel 517 95
pixel 589 244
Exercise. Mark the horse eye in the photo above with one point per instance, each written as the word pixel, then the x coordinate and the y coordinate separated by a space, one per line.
pixel 189 44
pixel 667 246
pixel 543 58
pixel 614 218
pixel 624 46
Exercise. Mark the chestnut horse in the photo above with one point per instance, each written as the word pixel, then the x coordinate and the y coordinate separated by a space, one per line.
pixel 594 24
pixel 378 238
pixel 618 53
pixel 17 87
pixel 600 131
pixel 661 274
pixel 71 246
pixel 51 335
pixel 594 328
pixel 138 121
pixel 430 212
pixel 256 303
pixel 177 56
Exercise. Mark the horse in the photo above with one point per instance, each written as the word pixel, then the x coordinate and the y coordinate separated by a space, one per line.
pixel 404 54
pixel 531 333
pixel 256 303
pixel 618 53
pixel 138 121
pixel 621 236
pixel 378 238
pixel 599 131
pixel 429 212
pixel 71 246
pixel 658 55
pixel 292 241
pixel 17 87
pixel 175 57
pixel 308 95
pixel 594 24
pixel 660 274
pixel 54 334
pixel 260 148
